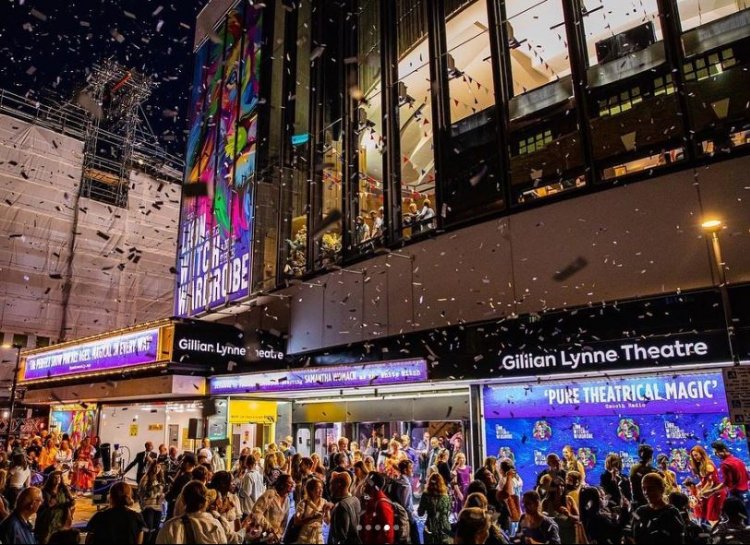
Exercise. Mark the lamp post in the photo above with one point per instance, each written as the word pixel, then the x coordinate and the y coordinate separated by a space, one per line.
pixel 18 348
pixel 712 227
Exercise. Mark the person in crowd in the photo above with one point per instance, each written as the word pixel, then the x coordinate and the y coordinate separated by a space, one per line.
pixel 201 474
pixel 571 463
pixel 272 469
pixel 151 494
pixel 432 455
pixel 535 526
pixel 477 500
pixel 163 454
pixel 735 474
pixel 378 517
pixel 318 467
pixel 141 460
pixel 172 465
pixel 64 456
pixel 187 466
pixel 17 529
pixel 711 494
pixel 345 513
pixel 311 513
pixel 510 496
pixel 119 523
pixel 343 445
pixel 48 455
pixel 84 472
pixel 614 484
pixel 733 527
pixel 235 533
pixel 601 525
pixel 291 451
pixel 399 490
pixel 473 526
pixel 4 506
pixel 271 512
pixel 361 230
pixel 228 503
pixel 426 215
pixel 639 470
pixel 340 463
pixel 19 477
pixel 436 504
pixel 395 456
pixel 670 477
pixel 554 469
pixel 67 536
pixel 57 507
pixel 657 521
pixel 205 450
pixel 490 476
pixel 360 480
pixel 696 533
pixel 196 525
pixel 251 486
pixel 573 483
pixel 461 473
pixel 562 509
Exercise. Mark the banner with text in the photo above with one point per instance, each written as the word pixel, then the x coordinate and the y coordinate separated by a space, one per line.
pixel 371 374
pixel 114 352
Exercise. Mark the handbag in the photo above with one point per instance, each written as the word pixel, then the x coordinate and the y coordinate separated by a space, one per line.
pixel 292 532
pixel 514 506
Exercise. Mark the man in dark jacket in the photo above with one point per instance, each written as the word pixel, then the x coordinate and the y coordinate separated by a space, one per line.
pixel 17 529
pixel 140 460
pixel 346 512
pixel 339 463
pixel 184 477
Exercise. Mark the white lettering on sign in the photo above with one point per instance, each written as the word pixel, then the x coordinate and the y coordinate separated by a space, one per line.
pixel 631 352
pixel 645 391
pixel 194 345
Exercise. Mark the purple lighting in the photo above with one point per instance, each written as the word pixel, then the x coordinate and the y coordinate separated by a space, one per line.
pixel 376 374
pixel 115 352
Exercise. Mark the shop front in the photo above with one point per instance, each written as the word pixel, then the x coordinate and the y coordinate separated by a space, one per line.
pixel 610 397
pixel 362 402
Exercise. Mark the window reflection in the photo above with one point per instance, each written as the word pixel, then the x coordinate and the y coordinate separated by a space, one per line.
pixel 415 119
pixel 694 13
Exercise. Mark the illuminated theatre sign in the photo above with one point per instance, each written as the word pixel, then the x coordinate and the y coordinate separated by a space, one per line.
pixel 350 376
pixel 607 355
pixel 114 352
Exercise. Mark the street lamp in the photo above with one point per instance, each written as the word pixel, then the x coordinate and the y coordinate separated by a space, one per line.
pixel 18 348
pixel 712 227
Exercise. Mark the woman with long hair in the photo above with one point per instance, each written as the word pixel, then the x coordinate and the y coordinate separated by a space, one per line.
pixel 4 509
pixel 151 493
pixel 436 504
pixel 19 477
pixel 571 463
pixel 64 459
pixel 84 472
pixel 48 455
pixel 710 494
pixel 271 469
pixel 318 467
pixel 461 478
pixel 535 526
pixel 360 479
pixel 311 513
pixel 271 512
pixel 369 463
pixel 57 508
pixel 561 508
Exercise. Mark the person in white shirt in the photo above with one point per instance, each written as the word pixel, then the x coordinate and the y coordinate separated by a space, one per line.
pixel 206 450
pixel 196 525
pixel 251 486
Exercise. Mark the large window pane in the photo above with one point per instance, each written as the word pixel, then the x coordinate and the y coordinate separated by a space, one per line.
pixel 415 119
pixel 471 181
pixel 545 147
pixel 694 13
pixel 366 94
pixel 635 119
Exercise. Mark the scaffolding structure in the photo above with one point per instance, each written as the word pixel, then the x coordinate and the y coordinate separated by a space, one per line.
pixel 113 97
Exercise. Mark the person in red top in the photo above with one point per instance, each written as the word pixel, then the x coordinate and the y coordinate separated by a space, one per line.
pixel 734 472
pixel 377 515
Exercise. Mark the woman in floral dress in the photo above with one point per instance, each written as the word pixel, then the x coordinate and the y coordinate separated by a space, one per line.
pixel 84 471
pixel 436 504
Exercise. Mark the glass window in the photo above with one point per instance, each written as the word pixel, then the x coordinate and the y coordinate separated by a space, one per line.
pixel 20 340
pixel 694 13
pixel 42 342
pixel 546 156
pixel 538 46
pixel 366 94
pixel 616 28
pixel 415 119
pixel 294 250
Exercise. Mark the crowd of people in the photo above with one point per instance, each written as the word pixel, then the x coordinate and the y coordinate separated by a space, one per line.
pixel 385 492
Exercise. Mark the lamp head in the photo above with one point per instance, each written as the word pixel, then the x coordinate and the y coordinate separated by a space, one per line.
pixel 712 225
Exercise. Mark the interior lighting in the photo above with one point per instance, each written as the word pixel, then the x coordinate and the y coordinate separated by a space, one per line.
pixel 712 225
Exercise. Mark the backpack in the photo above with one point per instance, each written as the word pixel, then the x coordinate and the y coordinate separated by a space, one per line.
pixel 401 524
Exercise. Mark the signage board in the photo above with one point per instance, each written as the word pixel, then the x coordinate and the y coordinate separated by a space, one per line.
pixel 115 352
pixel 737 385
pixel 671 413
pixel 371 374
pixel 611 355
pixel 222 346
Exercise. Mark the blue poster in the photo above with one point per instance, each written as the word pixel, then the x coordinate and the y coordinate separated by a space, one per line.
pixel 670 413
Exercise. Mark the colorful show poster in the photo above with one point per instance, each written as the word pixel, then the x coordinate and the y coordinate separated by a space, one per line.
pixel 214 260
pixel 76 421
pixel 671 413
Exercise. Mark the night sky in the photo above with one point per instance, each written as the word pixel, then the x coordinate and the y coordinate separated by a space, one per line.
pixel 47 46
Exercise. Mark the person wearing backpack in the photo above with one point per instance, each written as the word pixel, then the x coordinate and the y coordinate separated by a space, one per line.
pixel 378 519
pixel 400 492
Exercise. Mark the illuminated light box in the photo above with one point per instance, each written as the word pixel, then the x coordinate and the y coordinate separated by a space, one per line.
pixel 321 378
pixel 127 350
